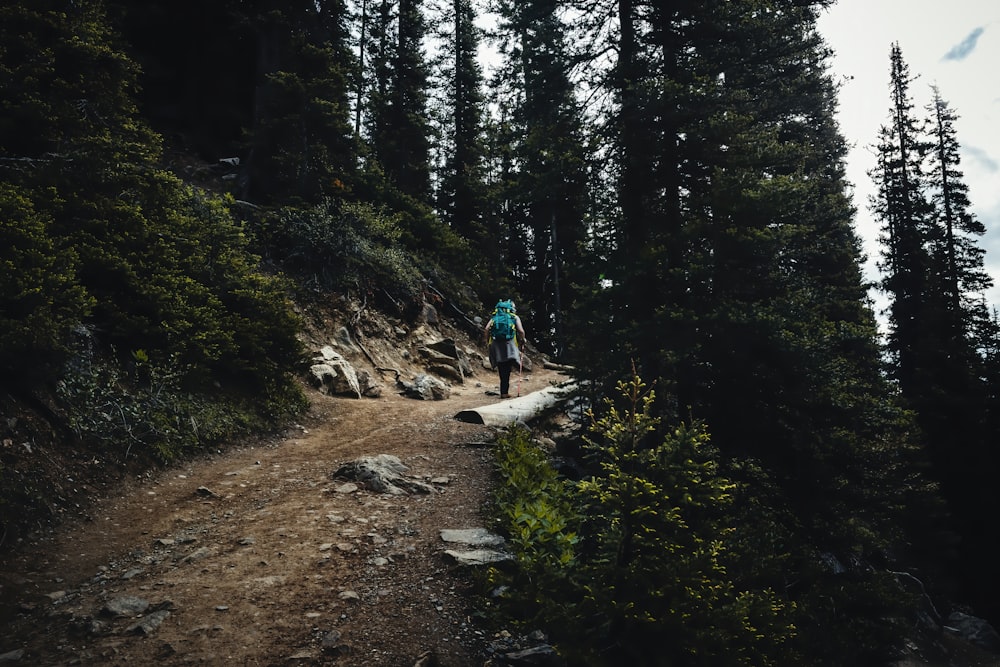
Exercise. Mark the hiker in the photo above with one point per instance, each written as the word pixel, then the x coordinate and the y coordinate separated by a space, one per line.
pixel 505 336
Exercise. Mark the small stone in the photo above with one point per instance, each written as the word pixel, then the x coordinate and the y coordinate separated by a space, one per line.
pixel 349 596
pixel 198 554
pixel 128 605
pixel 478 556
pixel 349 487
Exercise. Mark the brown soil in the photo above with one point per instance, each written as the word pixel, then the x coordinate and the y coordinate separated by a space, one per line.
pixel 261 557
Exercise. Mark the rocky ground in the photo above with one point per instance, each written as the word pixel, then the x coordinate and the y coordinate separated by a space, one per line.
pixel 261 556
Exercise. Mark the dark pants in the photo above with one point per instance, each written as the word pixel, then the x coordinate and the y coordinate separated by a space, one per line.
pixel 505 368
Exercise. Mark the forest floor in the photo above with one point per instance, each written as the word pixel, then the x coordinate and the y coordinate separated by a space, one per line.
pixel 258 556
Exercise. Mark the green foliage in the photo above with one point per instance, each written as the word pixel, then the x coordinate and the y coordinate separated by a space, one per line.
pixel 658 519
pixel 95 238
pixel 630 565
pixel 341 245
pixel 141 408
pixel 40 300
pixel 535 505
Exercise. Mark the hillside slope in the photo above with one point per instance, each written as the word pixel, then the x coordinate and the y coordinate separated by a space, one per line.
pixel 259 556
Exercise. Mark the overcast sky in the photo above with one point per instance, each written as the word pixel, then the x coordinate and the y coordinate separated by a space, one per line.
pixel 953 44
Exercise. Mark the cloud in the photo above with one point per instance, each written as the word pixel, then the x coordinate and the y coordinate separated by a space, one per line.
pixel 982 158
pixel 962 50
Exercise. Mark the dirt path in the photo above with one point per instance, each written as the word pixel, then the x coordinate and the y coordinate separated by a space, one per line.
pixel 258 557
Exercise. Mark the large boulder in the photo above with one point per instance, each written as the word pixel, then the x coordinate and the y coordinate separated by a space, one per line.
pixel 426 388
pixel 974 630
pixel 334 375
pixel 383 473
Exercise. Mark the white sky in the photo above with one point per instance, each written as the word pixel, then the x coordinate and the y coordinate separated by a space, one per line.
pixel 954 44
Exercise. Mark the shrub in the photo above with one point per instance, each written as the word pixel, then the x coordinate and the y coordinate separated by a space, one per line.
pixel 40 300
pixel 340 245
pixel 141 408
pixel 629 565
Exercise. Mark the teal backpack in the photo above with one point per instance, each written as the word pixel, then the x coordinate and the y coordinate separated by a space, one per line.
pixel 504 324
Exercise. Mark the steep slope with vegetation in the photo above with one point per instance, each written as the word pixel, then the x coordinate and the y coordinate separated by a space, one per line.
pixel 661 190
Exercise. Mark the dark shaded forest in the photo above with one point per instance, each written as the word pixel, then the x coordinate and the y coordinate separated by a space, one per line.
pixel 659 186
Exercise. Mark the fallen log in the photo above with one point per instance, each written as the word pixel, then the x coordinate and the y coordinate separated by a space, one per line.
pixel 551 365
pixel 522 409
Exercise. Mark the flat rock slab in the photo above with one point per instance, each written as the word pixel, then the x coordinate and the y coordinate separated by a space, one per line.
pixel 477 556
pixel 473 537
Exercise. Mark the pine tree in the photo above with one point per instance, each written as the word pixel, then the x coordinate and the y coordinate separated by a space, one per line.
pixel 935 276
pixel 736 278
pixel 962 276
pixel 400 129
pixel 902 204
pixel 460 195
pixel 549 182
pixel 303 146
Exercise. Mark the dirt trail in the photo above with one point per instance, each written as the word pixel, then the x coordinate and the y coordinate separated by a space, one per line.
pixel 258 557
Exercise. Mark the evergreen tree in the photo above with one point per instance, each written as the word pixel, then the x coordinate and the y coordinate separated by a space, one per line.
pixel 400 129
pixel 736 278
pixel 548 185
pixel 461 191
pixel 962 276
pixel 303 145
pixel 505 230
pixel 935 276
pixel 902 204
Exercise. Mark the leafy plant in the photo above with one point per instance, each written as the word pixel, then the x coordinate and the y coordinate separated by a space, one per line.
pixel 141 408
pixel 40 300
pixel 630 564
pixel 341 245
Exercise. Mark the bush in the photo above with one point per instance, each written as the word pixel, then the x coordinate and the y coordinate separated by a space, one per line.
pixel 40 300
pixel 629 565
pixel 141 408
pixel 340 245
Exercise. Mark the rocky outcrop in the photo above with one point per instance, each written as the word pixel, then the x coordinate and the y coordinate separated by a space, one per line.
pixel 332 374
pixel 973 630
pixel 426 388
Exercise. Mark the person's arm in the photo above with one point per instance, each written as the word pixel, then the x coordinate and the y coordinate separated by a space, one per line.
pixel 486 330
pixel 520 331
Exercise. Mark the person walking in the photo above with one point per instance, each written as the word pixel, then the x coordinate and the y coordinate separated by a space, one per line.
pixel 505 338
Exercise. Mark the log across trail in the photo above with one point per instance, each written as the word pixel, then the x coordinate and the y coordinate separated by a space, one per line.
pixel 522 409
